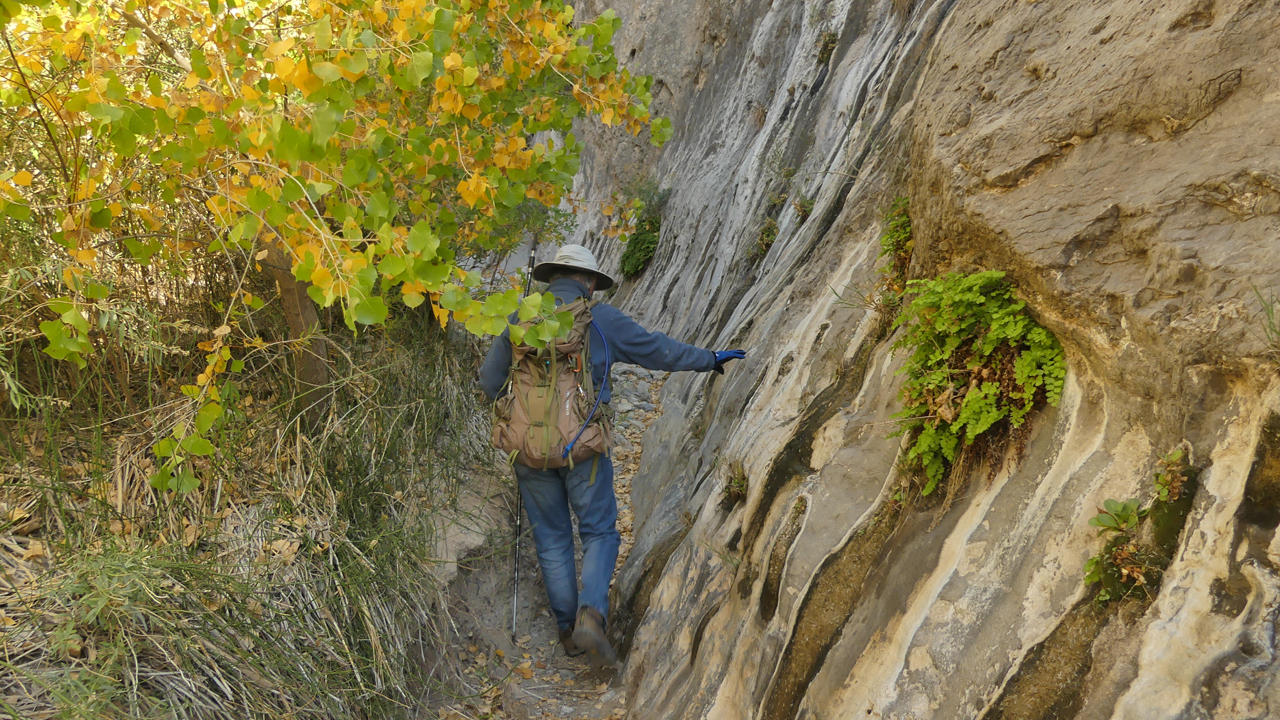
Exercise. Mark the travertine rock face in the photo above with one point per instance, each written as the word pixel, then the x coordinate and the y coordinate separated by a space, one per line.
pixel 1121 161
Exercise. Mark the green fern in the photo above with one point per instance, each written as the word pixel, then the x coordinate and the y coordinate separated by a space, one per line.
pixel 641 247
pixel 966 333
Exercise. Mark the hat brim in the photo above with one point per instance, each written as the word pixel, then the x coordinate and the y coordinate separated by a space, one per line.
pixel 543 271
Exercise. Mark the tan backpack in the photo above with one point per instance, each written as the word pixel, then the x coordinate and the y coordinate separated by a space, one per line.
pixel 551 402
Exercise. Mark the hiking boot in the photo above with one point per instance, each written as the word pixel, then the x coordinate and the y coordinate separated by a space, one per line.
pixel 588 634
pixel 570 647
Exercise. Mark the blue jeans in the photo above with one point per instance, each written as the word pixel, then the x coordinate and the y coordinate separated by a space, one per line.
pixel 548 495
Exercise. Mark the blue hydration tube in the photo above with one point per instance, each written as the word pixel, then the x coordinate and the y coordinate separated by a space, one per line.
pixel 603 386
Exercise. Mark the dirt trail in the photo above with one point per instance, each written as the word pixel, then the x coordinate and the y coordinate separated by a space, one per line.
pixel 531 677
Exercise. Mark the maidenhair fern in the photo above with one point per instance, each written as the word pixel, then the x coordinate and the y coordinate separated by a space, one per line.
pixel 977 359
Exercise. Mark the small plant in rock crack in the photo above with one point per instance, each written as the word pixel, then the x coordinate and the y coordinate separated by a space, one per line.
pixel 1171 476
pixel 1116 516
pixel 735 485
pixel 640 247
pixel 1270 326
pixel 1134 559
pixel 895 244
pixel 1124 565
pixel 827 47
pixel 977 360
pixel 768 233
pixel 803 206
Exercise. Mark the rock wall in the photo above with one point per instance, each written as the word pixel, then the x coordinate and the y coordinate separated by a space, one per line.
pixel 1121 162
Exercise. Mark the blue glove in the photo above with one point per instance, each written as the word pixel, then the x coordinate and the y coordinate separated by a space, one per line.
pixel 724 356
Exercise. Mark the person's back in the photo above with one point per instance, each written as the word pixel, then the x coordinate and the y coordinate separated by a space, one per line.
pixel 586 485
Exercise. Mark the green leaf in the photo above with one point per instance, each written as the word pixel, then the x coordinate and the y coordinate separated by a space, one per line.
pixel 196 445
pixel 392 265
pixel 324 123
pixel 207 416
pixel 185 482
pixel 357 62
pixel 501 305
pixel 454 298
pixel 421 67
pixel 73 318
pixel 322 31
pixel 378 206
pixel 160 478
pixel 477 325
pixel 18 211
pixel 530 307
pixel 101 219
pixel 422 240
pixel 327 71
pixel 142 251
pixel 441 38
pixel 165 447
pixel 370 311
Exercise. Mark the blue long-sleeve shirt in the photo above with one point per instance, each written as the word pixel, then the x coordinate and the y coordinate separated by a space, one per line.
pixel 628 343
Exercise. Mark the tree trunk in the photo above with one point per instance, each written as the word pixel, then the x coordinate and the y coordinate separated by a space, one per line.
pixel 311 357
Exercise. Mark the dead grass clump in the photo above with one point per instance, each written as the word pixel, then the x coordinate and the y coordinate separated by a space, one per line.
pixel 299 579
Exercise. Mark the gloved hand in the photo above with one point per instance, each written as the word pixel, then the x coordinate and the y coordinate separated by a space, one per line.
pixel 724 356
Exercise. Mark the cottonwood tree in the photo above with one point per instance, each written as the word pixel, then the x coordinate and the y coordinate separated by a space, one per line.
pixel 349 147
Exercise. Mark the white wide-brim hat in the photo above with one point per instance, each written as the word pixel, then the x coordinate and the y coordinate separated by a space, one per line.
pixel 574 258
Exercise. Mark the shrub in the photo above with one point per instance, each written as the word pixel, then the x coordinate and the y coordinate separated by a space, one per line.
pixel 768 233
pixel 895 239
pixel 826 47
pixel 803 206
pixel 641 246
pixel 735 485
pixel 1131 561
pixel 977 360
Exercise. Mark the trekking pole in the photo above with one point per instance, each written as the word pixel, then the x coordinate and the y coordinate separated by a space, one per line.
pixel 515 591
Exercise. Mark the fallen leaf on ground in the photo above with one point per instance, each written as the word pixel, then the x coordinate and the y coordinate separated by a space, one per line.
pixel 34 550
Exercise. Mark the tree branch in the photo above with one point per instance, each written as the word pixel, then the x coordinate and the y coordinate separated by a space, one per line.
pixel 35 102
pixel 155 37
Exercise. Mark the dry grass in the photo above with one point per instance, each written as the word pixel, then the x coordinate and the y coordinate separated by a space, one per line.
pixel 300 578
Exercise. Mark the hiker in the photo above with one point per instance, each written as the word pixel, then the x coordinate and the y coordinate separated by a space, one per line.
pixel 575 474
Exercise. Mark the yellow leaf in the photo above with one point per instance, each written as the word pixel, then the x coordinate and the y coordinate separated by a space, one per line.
pixel 85 255
pixel 276 49
pixel 22 178
pixel 116 209
pixel 321 277
pixel 452 61
pixel 285 67
pixel 473 188
pixel 304 80
pixel 34 550
pixel 191 81
pixel 441 314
